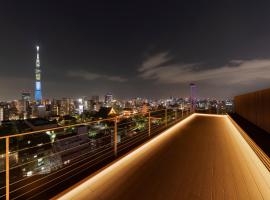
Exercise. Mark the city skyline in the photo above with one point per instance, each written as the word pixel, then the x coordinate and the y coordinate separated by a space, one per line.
pixel 124 100
pixel 137 49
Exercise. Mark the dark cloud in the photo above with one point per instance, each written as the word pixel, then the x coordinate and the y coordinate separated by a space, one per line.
pixel 234 72
pixel 94 76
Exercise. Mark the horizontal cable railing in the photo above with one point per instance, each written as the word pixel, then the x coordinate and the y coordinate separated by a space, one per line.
pixel 39 160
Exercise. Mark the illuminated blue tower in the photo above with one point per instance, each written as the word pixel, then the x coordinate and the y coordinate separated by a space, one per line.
pixel 38 94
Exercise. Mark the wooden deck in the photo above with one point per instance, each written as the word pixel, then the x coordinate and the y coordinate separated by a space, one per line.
pixel 202 157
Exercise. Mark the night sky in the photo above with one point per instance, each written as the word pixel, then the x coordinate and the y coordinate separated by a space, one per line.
pixel 134 48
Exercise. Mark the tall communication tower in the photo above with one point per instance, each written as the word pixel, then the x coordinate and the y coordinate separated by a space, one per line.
pixel 38 94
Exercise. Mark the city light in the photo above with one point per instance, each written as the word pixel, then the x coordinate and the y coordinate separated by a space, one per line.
pixel 122 162
pixel 122 101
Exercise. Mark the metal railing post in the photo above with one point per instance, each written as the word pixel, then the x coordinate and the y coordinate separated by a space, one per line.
pixel 7 168
pixel 115 137
pixel 166 117
pixel 149 124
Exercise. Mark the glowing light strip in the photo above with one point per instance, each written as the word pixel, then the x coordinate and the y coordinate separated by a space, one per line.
pixel 259 152
pixel 254 163
pixel 76 189
pixel 258 171
pixel 210 115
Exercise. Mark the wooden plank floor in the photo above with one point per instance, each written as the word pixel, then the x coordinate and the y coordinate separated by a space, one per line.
pixel 202 157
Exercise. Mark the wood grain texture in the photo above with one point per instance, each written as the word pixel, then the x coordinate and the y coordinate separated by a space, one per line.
pixel 255 107
pixel 204 157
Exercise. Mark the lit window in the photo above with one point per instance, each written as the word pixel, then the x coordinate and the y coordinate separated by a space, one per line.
pixel 30 173
pixel 37 85
pixel 38 77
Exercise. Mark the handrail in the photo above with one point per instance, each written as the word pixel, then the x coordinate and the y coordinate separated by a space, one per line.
pixel 72 125
pixel 150 130
pixel 258 151
pixel 56 128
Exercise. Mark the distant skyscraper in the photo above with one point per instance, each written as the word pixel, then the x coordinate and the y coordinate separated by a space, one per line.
pixel 38 94
pixel 26 98
pixel 80 106
pixel 95 98
pixel 192 95
pixel 1 115
pixel 108 99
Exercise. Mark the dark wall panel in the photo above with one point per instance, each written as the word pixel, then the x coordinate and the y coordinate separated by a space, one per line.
pixel 255 107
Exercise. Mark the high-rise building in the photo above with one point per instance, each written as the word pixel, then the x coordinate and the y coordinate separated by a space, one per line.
pixel 1 115
pixel 38 94
pixel 108 99
pixel 95 98
pixel 79 106
pixel 85 104
pixel 192 95
pixel 26 98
